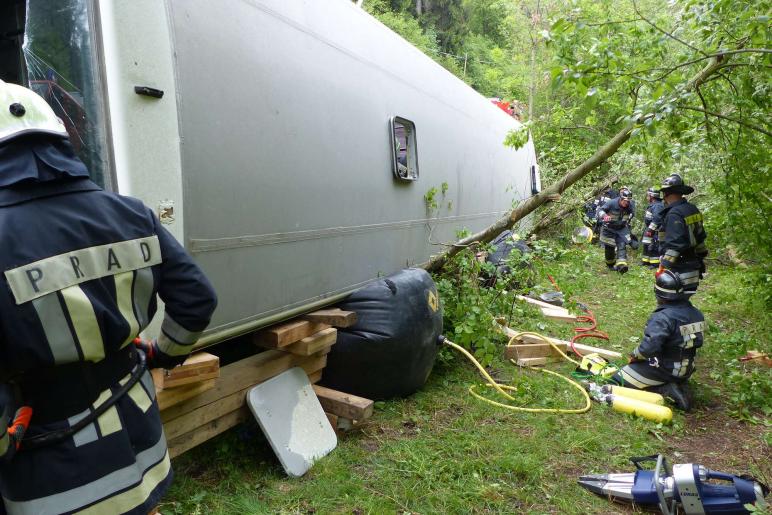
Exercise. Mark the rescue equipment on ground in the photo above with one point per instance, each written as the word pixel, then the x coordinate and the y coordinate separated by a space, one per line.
pixel 582 235
pixel 638 405
pixel 502 389
pixel 596 365
pixel 687 488
pixel 390 350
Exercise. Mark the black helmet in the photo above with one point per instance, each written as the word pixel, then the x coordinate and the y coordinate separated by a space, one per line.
pixel 654 192
pixel 668 286
pixel 675 184
pixel 626 194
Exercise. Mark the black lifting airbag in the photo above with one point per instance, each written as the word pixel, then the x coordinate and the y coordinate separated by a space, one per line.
pixel 391 349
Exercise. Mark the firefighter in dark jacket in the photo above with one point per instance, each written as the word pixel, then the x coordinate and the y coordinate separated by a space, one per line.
pixel 651 221
pixel 681 235
pixel 615 214
pixel 81 270
pixel 664 360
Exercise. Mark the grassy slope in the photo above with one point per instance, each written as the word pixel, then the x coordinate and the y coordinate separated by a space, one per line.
pixel 442 451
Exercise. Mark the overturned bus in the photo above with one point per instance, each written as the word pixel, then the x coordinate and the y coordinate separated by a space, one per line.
pixel 299 149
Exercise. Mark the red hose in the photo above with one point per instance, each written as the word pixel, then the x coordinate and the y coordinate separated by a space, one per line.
pixel 586 332
pixel 583 332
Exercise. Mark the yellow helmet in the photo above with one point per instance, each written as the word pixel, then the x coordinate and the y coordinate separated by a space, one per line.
pixel 22 111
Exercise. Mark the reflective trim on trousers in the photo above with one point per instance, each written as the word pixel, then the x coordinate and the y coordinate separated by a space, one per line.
pixel 130 477
pixel 634 378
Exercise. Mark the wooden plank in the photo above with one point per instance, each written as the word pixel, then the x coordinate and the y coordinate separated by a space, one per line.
pixel 221 407
pixel 314 343
pixel 282 335
pixel 173 396
pixel 562 344
pixel 563 316
pixel 530 350
pixel 237 376
pixel 209 430
pixel 333 421
pixel 344 404
pixel 198 367
pixel 336 317
pixel 157 375
pixel 531 362
pixel 542 304
pixel 315 377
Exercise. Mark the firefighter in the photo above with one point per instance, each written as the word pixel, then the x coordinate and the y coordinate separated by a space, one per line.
pixel 615 214
pixel 81 270
pixel 651 221
pixel 681 235
pixel 664 360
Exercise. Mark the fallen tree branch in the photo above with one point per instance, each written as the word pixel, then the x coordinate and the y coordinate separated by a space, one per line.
pixel 529 205
pixel 549 221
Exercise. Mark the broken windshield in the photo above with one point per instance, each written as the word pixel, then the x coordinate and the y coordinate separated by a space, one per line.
pixel 60 54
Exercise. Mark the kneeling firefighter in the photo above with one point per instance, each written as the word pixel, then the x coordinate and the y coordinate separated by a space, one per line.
pixel 81 270
pixel 664 360
pixel 615 214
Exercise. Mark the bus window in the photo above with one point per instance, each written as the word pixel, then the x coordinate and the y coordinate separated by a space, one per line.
pixel 61 64
pixel 403 149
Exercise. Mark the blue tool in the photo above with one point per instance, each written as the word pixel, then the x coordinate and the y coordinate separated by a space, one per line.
pixel 685 486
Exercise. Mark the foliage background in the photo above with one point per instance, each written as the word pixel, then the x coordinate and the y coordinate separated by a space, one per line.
pixel 585 67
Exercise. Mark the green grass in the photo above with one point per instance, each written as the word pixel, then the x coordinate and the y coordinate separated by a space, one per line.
pixel 443 451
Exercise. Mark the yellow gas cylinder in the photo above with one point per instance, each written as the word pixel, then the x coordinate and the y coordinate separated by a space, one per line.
pixel 639 408
pixel 631 393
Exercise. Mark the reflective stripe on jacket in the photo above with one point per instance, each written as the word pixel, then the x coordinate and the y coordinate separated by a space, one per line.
pixel 682 235
pixel 672 335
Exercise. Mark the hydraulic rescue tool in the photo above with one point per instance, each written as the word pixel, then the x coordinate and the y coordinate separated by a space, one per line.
pixel 689 487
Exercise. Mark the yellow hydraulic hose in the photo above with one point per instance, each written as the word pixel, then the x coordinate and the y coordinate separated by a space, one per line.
pixel 501 388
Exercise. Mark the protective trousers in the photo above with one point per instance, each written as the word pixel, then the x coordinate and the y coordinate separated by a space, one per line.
pixel 615 243
pixel 650 254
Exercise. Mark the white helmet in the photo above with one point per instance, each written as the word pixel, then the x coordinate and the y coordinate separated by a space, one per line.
pixel 22 111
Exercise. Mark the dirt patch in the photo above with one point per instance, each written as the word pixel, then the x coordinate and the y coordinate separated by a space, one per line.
pixel 713 439
pixel 370 445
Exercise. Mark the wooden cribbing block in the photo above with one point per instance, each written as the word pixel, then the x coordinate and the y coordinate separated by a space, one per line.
pixel 542 304
pixel 315 377
pixel 172 396
pixel 530 350
pixel 531 362
pixel 222 407
pixel 209 430
pixel 198 367
pixel 344 404
pixel 333 421
pixel 284 334
pixel 314 343
pixel 335 317
pixel 584 349
pixel 240 375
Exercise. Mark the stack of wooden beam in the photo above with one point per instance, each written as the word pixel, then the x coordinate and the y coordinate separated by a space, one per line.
pixel 528 350
pixel 199 409
pixel 550 311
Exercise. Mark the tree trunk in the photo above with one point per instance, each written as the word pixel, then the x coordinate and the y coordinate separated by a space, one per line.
pixel 418 8
pixel 528 206
pixel 549 221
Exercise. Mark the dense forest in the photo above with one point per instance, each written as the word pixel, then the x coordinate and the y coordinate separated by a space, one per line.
pixel 685 84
